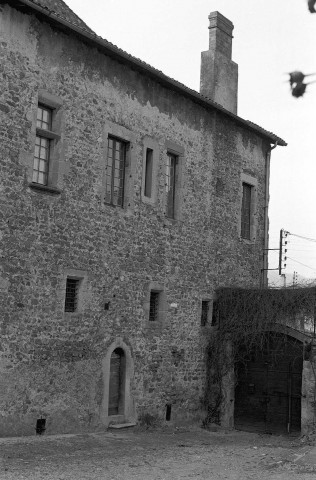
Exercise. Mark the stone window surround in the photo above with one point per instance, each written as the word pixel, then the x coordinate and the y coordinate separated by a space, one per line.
pixel 253 182
pixel 82 294
pixel 178 150
pixel 56 168
pixel 162 306
pixel 121 133
pixel 152 143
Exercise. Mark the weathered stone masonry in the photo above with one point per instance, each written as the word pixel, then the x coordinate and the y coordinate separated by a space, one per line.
pixel 54 364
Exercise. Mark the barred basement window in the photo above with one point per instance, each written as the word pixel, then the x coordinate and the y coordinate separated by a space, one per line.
pixel 72 291
pixel 204 312
pixel 154 306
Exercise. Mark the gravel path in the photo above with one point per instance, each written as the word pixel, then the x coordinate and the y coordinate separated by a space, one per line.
pixel 162 454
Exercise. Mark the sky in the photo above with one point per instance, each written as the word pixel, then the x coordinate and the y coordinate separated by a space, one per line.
pixel 271 38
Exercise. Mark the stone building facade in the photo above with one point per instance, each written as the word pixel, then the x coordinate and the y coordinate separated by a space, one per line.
pixel 126 200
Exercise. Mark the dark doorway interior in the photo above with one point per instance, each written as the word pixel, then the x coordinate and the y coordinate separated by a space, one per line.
pixel 268 386
pixel 116 382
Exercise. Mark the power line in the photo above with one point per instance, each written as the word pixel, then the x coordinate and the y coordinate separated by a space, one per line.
pixel 300 236
pixel 296 261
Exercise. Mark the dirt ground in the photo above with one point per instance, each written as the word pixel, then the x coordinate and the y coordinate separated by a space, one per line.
pixel 170 453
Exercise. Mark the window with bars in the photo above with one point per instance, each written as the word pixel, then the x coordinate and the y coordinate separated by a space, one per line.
pixel 246 211
pixel 42 145
pixel 115 172
pixel 204 312
pixel 154 306
pixel 72 294
pixel 171 165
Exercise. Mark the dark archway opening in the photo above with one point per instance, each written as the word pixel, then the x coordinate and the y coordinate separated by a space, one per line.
pixel 117 380
pixel 268 386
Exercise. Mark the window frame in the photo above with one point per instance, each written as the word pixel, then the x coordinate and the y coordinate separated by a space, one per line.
pixel 121 179
pixel 158 290
pixel 43 134
pixel 75 297
pixel 245 215
pixel 149 161
pixel 172 149
pixel 204 317
pixel 123 134
pixel 171 172
pixel 252 183
pixel 56 165
pixel 154 297
pixel 82 290
pixel 215 318
pixel 150 143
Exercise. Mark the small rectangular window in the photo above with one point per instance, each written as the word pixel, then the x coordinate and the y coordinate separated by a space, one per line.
pixel 171 166
pixel 72 291
pixel 42 145
pixel 115 172
pixel 154 306
pixel 204 312
pixel 215 314
pixel 148 173
pixel 246 211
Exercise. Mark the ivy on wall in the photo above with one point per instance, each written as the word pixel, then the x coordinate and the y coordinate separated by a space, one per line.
pixel 242 320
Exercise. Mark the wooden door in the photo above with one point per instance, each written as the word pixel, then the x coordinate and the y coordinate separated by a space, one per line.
pixel 268 392
pixel 115 382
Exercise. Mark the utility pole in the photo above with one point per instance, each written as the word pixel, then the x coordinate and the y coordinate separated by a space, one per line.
pixel 294 279
pixel 284 279
pixel 283 236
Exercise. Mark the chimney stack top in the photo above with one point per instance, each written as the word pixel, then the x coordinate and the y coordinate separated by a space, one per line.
pixel 217 20
pixel 219 74
pixel 221 34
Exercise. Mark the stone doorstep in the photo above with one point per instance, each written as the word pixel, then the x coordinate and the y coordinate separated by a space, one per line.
pixel 122 425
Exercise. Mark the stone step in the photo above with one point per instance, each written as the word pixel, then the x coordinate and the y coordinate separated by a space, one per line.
pixel 122 425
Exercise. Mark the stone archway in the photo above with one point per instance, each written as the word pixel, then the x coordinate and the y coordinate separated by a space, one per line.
pixel 268 389
pixel 118 371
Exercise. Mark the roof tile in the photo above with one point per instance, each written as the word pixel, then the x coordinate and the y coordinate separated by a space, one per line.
pixel 59 8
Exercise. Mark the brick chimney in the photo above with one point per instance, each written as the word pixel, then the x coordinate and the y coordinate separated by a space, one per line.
pixel 219 74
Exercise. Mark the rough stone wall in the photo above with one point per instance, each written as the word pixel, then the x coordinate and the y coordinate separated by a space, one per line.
pixel 308 406
pixel 51 361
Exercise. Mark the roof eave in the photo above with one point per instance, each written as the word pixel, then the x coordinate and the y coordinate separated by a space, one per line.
pixel 121 55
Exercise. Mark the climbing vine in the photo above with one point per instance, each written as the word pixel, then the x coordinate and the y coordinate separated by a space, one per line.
pixel 241 322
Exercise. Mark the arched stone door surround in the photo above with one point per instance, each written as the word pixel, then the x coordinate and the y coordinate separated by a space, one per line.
pixel 303 339
pixel 126 411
